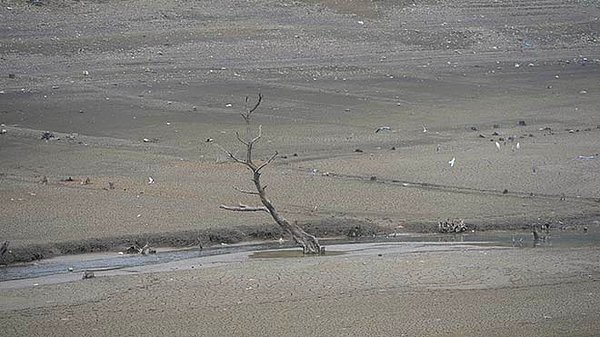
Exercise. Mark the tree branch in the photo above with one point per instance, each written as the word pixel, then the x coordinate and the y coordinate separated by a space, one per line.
pixel 244 208
pixel 257 137
pixel 267 162
pixel 237 134
pixel 245 191
pixel 256 105
pixel 232 156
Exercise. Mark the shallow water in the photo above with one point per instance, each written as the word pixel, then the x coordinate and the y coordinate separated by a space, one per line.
pixel 61 268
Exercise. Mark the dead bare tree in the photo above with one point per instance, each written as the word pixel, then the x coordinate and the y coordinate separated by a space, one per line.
pixel 309 243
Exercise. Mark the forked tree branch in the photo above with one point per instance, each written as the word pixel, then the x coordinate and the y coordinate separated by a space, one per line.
pixel 267 162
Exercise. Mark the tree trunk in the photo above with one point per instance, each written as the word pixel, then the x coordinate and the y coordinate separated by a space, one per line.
pixel 309 243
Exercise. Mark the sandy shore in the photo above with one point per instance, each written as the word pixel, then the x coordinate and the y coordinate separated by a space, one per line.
pixel 376 289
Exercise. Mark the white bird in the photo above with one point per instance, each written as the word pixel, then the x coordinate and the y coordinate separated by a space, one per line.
pixel 383 128
pixel 498 146
pixel 518 146
pixel 150 180
pixel 452 162
pixel 281 241
pixel 424 128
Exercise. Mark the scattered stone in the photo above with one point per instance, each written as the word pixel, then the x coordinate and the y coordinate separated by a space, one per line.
pixel 454 226
pixel 47 135
pixel 383 128
pixel 522 123
pixel 88 274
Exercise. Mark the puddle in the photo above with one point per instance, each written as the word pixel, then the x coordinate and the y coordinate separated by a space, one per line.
pixel 70 268
pixel 289 253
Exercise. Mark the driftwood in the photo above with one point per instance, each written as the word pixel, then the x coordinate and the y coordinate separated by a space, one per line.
pixel 137 249
pixel 4 248
pixel 309 243
pixel 452 226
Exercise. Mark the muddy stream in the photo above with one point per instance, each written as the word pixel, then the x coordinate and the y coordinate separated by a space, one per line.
pixel 71 267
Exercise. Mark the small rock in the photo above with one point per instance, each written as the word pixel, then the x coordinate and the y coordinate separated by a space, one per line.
pixel 88 274
pixel 522 123
pixel 11 76
pixel 373 178
pixel 358 150
pixel 505 191
pixel 495 126
pixel 47 135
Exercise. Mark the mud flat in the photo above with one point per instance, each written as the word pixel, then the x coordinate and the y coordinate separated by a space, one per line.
pixel 505 91
pixel 380 289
